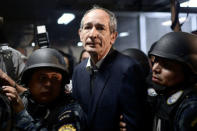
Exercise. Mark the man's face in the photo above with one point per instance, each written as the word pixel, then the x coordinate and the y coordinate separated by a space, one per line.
pixel 95 33
pixel 166 72
pixel 45 85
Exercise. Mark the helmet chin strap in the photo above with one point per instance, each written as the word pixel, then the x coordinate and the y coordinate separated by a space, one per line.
pixel 169 90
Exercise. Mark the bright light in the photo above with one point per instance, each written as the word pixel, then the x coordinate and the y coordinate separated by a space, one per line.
pixel 66 18
pixel 79 44
pixel 169 22
pixel 33 44
pixel 41 29
pixel 190 3
pixel 124 34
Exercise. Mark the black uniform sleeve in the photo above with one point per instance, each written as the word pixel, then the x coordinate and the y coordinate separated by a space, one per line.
pixel 187 116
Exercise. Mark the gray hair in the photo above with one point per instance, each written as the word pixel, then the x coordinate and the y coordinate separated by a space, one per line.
pixel 113 20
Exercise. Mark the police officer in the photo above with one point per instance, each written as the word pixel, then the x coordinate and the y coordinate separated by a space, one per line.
pixel 45 106
pixel 174 66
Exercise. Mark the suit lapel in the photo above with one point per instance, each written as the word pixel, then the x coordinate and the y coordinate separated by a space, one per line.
pixel 86 83
pixel 99 86
pixel 83 87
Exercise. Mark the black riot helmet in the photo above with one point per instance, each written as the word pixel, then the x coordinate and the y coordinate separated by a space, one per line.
pixel 45 58
pixel 178 46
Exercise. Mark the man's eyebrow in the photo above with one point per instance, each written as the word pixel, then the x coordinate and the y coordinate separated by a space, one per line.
pixel 102 25
pixel 88 23
pixel 41 73
pixel 97 24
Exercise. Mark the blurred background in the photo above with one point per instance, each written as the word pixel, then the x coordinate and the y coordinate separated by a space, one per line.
pixel 140 22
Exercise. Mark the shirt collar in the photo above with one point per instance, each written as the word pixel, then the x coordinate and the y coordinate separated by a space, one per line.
pixel 90 65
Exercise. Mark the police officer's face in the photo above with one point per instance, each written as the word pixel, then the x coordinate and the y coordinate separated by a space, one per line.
pixel 166 72
pixel 95 33
pixel 45 85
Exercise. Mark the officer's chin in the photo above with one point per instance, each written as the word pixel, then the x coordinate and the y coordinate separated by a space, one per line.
pixel 159 87
pixel 45 100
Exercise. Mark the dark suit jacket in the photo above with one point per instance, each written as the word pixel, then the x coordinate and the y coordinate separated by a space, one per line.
pixel 116 92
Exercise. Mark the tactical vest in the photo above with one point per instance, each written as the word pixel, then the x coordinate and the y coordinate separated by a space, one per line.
pixel 64 115
pixel 167 110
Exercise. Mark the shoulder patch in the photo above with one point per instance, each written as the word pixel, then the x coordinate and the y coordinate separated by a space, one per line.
pixel 152 92
pixel 174 97
pixel 64 115
pixel 68 127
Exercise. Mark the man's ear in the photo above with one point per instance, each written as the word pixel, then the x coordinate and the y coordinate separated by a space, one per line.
pixel 113 37
pixel 79 33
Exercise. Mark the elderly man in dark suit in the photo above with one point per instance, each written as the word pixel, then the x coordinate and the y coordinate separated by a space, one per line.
pixel 107 84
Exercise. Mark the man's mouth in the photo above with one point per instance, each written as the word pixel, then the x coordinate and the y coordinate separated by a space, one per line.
pixel 90 44
pixel 155 79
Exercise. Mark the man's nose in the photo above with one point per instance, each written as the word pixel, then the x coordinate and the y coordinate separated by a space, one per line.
pixel 156 67
pixel 93 32
pixel 47 82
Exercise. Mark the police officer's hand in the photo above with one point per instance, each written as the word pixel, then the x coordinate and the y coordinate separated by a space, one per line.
pixel 6 80
pixel 122 124
pixel 14 98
